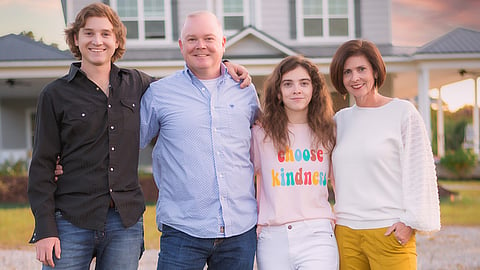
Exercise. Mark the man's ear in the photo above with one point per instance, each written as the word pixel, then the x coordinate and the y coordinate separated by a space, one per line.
pixel 180 44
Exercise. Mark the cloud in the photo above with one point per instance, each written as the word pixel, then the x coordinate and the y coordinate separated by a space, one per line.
pixel 35 5
pixel 44 18
pixel 416 22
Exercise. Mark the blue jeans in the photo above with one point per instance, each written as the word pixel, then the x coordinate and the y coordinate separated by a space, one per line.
pixel 115 248
pixel 179 250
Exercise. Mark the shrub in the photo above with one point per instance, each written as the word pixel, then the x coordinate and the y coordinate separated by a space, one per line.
pixel 460 162
pixel 18 168
pixel 13 189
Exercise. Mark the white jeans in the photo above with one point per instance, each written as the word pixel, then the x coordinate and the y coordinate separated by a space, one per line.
pixel 308 244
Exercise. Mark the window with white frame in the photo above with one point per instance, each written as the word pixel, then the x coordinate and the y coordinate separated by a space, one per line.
pixel 144 19
pixel 325 19
pixel 234 15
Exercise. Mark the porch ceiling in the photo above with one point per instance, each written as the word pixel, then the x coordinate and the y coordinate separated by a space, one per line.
pixel 22 87
pixel 406 83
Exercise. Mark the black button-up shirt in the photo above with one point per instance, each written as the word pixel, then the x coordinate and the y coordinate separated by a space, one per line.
pixel 97 138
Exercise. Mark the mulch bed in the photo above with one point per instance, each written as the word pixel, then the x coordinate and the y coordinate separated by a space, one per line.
pixel 13 189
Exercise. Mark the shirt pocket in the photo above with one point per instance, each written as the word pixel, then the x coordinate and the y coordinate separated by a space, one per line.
pixel 238 118
pixel 130 113
pixel 81 121
pixel 79 116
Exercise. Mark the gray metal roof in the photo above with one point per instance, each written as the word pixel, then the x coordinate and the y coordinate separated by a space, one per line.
pixel 21 48
pixel 459 40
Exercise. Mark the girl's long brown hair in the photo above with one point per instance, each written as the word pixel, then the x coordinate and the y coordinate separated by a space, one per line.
pixel 320 111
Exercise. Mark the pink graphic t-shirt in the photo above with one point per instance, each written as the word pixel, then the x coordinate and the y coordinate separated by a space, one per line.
pixel 291 182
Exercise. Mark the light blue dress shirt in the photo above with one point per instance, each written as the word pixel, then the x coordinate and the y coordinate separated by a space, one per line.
pixel 201 160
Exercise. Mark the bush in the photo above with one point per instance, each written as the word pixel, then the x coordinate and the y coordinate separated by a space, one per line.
pixel 13 189
pixel 460 162
pixel 18 168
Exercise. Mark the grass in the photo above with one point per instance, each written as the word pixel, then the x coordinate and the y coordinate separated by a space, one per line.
pixel 16 221
pixel 463 208
pixel 16 226
pixel 152 235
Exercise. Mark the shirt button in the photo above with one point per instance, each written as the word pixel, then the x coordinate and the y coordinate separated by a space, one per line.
pixel 83 114
pixel 113 148
pixel 112 127
pixel 133 105
pixel 109 105
pixel 98 89
pixel 289 227
pixel 111 169
pixel 111 190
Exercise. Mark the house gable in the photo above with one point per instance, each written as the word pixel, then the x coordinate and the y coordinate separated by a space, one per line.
pixel 250 42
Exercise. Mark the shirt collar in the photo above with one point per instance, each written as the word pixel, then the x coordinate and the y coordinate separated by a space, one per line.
pixel 74 69
pixel 192 77
pixel 115 72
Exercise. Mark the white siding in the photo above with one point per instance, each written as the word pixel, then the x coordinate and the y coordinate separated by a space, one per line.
pixel 250 46
pixel 276 19
pixel 74 6
pixel 13 122
pixel 376 23
pixel 187 6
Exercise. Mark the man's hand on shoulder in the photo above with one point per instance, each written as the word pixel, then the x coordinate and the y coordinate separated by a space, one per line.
pixel 239 73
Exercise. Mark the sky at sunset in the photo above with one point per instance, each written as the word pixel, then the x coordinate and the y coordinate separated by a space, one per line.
pixel 414 22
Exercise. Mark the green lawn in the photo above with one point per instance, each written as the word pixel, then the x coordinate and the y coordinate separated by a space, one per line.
pixel 463 208
pixel 16 226
pixel 16 221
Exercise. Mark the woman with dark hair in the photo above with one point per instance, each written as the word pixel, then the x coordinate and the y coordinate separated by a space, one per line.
pixel 383 168
pixel 291 156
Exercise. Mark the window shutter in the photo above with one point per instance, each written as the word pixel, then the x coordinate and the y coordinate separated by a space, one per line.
pixel 293 19
pixel 358 21
pixel 175 24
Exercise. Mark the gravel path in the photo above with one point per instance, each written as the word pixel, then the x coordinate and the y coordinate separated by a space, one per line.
pixel 454 247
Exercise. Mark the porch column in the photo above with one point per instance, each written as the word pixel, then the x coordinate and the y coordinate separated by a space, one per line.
pixel 424 99
pixel 440 126
pixel 476 127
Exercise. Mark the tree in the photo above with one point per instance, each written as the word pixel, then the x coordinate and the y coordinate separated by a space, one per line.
pixel 454 123
pixel 28 34
pixel 32 36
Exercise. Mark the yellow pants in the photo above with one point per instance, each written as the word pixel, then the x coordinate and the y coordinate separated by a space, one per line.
pixel 371 249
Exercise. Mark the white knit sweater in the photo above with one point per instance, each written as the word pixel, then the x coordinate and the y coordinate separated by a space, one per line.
pixel 383 168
